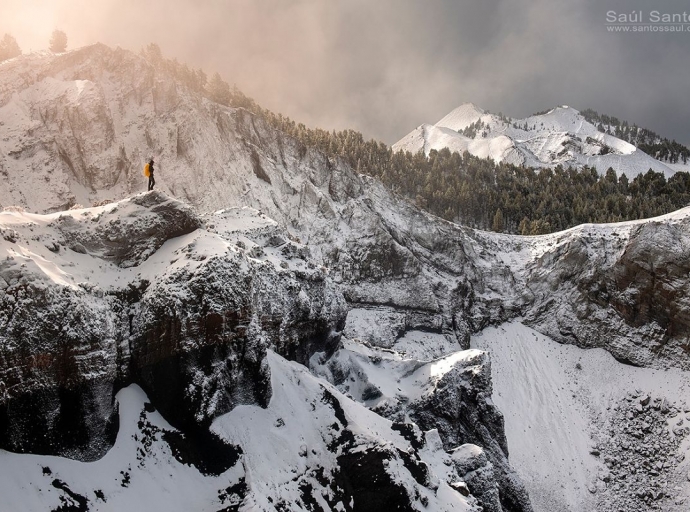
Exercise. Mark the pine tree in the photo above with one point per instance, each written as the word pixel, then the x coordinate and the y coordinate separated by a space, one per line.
pixel 58 42
pixel 200 79
pixel 9 48
pixel 497 224
pixel 153 54
pixel 219 90
pixel 523 228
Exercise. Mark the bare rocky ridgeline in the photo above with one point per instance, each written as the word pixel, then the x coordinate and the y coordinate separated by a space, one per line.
pixel 638 445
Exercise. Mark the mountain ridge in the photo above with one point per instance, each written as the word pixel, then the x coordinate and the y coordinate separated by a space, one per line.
pixel 560 136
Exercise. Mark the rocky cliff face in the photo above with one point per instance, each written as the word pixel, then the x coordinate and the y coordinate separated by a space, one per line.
pixel 380 249
pixel 185 313
pixel 450 395
pixel 188 313
pixel 619 287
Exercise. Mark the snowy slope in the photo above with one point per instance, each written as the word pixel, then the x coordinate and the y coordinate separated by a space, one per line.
pixel 427 137
pixel 562 136
pixel 310 453
pixel 283 457
pixel 138 473
pixel 572 418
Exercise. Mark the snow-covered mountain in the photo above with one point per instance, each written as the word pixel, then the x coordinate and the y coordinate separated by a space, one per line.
pixel 290 335
pixel 561 136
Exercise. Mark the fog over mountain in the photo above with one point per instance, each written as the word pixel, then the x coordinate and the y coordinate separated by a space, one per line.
pixel 382 67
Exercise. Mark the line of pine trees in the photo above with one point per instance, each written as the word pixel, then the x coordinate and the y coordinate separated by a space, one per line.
pixel 9 48
pixel 464 188
pixel 648 141
pixel 481 193
pixel 215 88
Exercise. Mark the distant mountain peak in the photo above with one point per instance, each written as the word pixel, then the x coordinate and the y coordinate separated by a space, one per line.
pixel 560 136
pixel 461 117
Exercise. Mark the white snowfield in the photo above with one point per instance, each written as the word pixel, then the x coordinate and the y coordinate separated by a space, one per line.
pixel 126 479
pixel 558 401
pixel 562 136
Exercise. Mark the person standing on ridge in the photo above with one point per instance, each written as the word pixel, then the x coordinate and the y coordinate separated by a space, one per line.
pixel 152 181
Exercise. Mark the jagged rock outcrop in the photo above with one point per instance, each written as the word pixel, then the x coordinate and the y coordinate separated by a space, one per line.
pixel 476 470
pixel 460 408
pixel 127 239
pixel 450 396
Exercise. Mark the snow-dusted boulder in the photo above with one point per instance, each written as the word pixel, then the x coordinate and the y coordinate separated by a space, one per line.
pixel 474 468
pixel 129 232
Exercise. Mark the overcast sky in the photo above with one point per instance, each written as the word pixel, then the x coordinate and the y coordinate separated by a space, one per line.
pixel 384 67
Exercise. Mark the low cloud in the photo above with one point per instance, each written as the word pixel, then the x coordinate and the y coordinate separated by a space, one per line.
pixel 385 67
